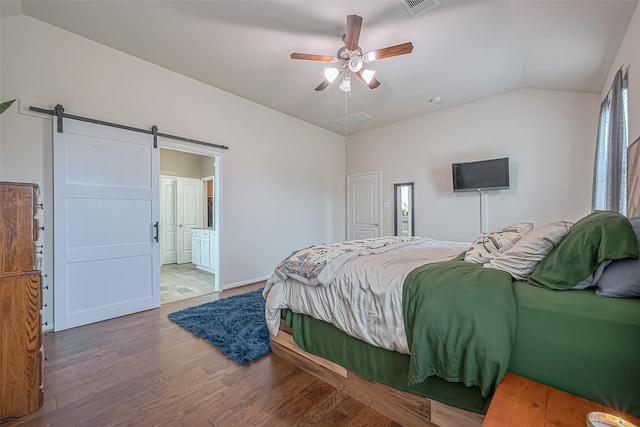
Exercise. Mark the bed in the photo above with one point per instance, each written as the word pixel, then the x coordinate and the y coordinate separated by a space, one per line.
pixel 424 330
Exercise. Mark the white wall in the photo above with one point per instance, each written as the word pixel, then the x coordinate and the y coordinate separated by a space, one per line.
pixel 283 180
pixel 629 55
pixel 549 137
pixel 179 163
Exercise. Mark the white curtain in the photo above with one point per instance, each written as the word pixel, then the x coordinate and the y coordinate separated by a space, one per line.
pixel 610 171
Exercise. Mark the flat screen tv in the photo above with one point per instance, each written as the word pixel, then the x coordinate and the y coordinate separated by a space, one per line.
pixel 482 175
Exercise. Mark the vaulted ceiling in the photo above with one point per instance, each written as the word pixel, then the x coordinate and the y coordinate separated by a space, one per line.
pixel 463 50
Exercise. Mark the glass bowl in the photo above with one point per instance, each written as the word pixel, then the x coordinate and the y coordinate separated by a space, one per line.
pixel 602 419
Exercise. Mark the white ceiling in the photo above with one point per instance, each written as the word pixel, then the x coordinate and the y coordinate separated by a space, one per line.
pixel 463 50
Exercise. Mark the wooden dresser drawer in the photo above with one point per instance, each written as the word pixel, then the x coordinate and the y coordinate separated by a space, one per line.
pixel 17 226
pixel 20 353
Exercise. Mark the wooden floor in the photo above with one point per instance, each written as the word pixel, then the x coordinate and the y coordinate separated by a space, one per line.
pixel 144 370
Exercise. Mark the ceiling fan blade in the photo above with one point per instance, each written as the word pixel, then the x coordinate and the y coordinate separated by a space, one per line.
pixel 313 57
pixel 323 85
pixel 373 82
pixel 388 52
pixel 354 25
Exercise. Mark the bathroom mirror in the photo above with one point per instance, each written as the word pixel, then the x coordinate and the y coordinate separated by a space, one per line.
pixel 209 185
pixel 403 202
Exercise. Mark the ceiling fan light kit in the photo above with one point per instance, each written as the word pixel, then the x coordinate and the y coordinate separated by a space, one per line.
pixel 350 58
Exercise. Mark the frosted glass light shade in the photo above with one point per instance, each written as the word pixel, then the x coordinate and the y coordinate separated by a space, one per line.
pixel 367 75
pixel 330 74
pixel 345 84
pixel 355 63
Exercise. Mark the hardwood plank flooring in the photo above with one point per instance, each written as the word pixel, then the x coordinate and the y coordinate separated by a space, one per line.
pixel 144 370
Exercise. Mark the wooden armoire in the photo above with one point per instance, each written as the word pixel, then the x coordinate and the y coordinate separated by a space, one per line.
pixel 21 355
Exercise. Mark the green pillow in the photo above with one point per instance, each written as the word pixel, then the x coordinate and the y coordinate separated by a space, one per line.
pixel 599 236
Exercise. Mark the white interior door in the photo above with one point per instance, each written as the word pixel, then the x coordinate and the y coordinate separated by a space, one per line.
pixel 168 220
pixel 107 259
pixel 363 206
pixel 190 202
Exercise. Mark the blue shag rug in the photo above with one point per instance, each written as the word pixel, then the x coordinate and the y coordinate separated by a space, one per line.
pixel 235 325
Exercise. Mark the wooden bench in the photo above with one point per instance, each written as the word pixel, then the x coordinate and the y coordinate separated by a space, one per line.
pixel 521 402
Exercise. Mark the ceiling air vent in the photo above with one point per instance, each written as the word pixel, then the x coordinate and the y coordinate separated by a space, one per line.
pixel 354 118
pixel 416 7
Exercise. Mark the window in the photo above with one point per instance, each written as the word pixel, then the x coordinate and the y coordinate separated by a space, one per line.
pixel 610 171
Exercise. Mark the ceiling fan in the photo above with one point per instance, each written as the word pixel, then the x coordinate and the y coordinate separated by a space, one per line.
pixel 350 58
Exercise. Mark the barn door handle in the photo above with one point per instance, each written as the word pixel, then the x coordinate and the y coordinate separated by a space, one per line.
pixel 157 236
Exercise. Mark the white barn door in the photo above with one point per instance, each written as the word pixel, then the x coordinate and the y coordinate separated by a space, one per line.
pixel 107 258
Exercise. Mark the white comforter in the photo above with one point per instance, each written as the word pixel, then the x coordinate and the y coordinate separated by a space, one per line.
pixel 365 299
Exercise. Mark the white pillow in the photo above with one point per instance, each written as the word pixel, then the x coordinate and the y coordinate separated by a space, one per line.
pixel 524 256
pixel 490 245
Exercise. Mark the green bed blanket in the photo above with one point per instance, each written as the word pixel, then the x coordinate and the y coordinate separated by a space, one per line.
pixel 460 322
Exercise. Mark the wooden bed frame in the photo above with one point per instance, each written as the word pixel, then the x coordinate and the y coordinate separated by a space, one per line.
pixel 402 407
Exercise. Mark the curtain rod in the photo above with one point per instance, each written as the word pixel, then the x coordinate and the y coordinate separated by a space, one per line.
pixel 58 111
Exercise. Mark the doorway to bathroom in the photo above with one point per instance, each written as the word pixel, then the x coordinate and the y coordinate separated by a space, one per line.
pixel 189 226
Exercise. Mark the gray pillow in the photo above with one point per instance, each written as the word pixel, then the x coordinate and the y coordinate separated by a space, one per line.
pixel 591 281
pixel 621 278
